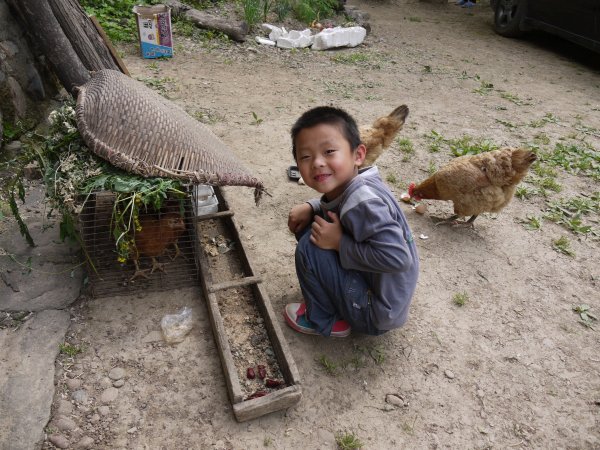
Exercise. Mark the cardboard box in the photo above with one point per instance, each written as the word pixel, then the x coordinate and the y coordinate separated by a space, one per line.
pixel 154 30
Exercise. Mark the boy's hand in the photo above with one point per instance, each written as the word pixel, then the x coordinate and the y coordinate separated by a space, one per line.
pixel 327 235
pixel 299 217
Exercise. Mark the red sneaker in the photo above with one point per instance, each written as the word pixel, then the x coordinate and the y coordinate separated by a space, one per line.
pixel 295 316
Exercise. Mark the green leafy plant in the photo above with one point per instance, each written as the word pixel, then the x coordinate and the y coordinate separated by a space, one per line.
pixel 514 99
pixel 533 223
pixel 562 245
pixel 309 10
pixel 328 365
pixel 391 178
pixel 432 168
pixel 586 318
pixel 282 9
pixel 460 298
pixel 251 11
pixel 406 147
pixel 348 441
pixel 467 145
pixel 523 192
pixel 69 349
pixel 115 16
pixel 574 158
pixel 350 58
pixel 484 88
pixel 436 140
pixel 257 120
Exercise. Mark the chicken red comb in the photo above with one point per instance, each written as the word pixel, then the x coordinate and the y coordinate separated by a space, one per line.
pixel 411 189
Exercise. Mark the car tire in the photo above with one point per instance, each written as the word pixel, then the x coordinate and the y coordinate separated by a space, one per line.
pixel 508 17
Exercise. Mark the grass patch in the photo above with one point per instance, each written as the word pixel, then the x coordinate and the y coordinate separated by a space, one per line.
pixel 484 88
pixel 533 223
pixel 348 441
pixel 391 178
pixel 162 85
pixel 406 148
pixel 514 99
pixel 467 145
pixel 575 159
pixel 69 349
pixel 432 168
pixel 524 192
pixel 328 365
pixel 570 212
pixel 562 245
pixel 460 298
pixel 351 58
pixel 436 140
pixel 506 123
pixel 548 118
pixel 115 16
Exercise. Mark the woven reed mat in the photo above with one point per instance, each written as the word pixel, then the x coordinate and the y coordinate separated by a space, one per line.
pixel 137 130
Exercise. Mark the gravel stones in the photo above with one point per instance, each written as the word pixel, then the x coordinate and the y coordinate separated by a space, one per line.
pixel 104 410
pixel 80 396
pixel 449 374
pixel 117 373
pixel 58 440
pixel 119 383
pixel 73 384
pixel 109 395
pixel 64 408
pixel 84 442
pixel 65 424
pixel 395 400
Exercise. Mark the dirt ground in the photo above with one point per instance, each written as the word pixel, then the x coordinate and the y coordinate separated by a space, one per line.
pixel 512 368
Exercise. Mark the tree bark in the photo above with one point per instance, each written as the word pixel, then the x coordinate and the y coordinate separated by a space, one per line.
pixel 236 30
pixel 48 35
pixel 82 34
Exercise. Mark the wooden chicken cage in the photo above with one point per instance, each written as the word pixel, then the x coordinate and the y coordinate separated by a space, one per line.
pixel 174 263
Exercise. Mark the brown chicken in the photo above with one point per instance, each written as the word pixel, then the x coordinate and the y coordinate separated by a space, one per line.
pixel 156 234
pixel 381 133
pixel 480 183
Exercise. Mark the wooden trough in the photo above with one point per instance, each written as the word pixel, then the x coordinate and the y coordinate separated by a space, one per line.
pixel 244 406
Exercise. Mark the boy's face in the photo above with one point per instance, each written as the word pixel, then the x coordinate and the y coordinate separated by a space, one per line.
pixel 325 159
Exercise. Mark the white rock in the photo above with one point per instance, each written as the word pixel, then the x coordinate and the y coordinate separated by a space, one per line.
pixel 103 410
pixel 395 400
pixel 119 383
pixel 338 37
pixel 105 382
pixel 449 374
pixel 264 41
pixel 132 430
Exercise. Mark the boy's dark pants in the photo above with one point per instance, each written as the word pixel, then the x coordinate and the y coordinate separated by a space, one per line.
pixel 331 292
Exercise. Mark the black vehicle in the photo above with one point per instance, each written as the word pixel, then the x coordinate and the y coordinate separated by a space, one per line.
pixel 575 20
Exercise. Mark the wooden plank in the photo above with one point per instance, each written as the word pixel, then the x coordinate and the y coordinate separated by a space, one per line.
pixel 217 215
pixel 276 400
pixel 109 45
pixel 231 377
pixel 280 346
pixel 251 409
pixel 234 283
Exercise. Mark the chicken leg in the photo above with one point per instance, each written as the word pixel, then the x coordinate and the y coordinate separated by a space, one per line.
pixel 144 272
pixel 456 223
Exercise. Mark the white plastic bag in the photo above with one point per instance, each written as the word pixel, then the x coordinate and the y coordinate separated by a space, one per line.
pixel 176 326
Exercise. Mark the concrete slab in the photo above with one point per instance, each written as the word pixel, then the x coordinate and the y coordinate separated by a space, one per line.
pixel 54 281
pixel 27 378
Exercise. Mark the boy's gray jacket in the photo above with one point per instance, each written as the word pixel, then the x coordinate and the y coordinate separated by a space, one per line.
pixel 378 243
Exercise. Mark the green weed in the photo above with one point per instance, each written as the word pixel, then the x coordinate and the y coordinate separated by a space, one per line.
pixel 328 365
pixel 414 19
pixel 585 316
pixel 570 212
pixel 541 138
pixel 69 350
pixel 576 159
pixel 436 140
pixel 267 441
pixel 406 147
pixel 432 168
pixel 562 245
pixel 256 120
pixel 351 58
pixel 391 178
pixel 460 298
pixel 115 16
pixel 542 170
pixel 309 10
pixel 484 88
pixel 282 9
pixel 548 118
pixel 251 11
pixel 514 99
pixel 467 145
pixel 524 192
pixel 162 85
pixel 348 441
pixel 506 123
pixel 533 223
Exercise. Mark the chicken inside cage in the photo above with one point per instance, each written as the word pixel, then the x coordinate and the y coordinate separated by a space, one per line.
pixel 158 253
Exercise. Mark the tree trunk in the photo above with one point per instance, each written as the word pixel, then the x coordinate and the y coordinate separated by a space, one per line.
pixel 236 30
pixel 48 35
pixel 82 34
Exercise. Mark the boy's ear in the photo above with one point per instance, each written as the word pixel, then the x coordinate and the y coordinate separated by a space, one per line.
pixel 360 155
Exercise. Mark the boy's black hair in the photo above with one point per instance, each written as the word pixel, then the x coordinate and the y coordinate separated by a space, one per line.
pixel 331 116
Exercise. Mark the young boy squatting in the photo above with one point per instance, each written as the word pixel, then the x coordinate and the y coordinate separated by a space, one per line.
pixel 356 260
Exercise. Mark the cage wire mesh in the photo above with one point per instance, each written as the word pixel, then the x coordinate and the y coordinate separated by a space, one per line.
pixel 165 251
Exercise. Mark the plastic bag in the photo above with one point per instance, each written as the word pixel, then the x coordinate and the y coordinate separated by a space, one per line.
pixel 176 326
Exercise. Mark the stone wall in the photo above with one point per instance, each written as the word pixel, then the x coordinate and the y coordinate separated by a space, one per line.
pixel 25 82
